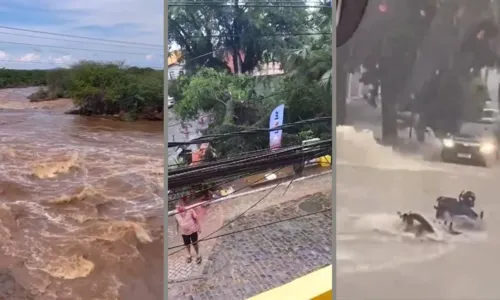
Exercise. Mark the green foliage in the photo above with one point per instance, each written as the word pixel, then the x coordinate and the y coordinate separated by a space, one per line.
pixel 212 92
pixel 256 31
pixel 22 78
pixel 107 89
pixel 239 102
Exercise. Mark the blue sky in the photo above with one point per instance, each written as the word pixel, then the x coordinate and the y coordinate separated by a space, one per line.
pixel 136 21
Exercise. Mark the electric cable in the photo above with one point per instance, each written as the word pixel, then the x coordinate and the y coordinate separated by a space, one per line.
pixel 227 157
pixel 258 36
pixel 72 48
pixel 258 226
pixel 193 175
pixel 289 151
pixel 234 219
pixel 237 190
pixel 215 4
pixel 211 137
pixel 73 41
pixel 79 37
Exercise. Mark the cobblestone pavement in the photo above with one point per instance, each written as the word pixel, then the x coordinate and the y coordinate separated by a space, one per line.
pixel 178 269
pixel 244 264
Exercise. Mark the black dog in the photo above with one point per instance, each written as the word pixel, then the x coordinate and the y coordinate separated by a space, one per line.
pixel 422 226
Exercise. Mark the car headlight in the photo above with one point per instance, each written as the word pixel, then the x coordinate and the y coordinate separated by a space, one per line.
pixel 448 143
pixel 488 148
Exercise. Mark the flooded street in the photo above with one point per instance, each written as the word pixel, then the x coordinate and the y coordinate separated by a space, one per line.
pixel 81 202
pixel 374 252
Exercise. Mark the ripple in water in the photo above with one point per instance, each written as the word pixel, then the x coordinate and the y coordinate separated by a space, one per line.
pixel 80 204
pixel 372 242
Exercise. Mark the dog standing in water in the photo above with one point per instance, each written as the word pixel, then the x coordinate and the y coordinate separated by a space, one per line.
pixel 416 223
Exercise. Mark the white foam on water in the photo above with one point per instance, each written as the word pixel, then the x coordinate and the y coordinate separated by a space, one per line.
pixel 377 241
pixel 360 148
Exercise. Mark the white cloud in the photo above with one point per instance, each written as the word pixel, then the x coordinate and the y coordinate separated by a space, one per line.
pixel 65 59
pixel 136 21
pixel 4 55
pixel 30 57
pixel 146 15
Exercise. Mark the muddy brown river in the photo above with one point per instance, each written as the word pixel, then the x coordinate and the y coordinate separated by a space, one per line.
pixel 81 208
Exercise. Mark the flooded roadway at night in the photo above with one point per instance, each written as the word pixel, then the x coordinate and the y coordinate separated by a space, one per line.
pixel 81 208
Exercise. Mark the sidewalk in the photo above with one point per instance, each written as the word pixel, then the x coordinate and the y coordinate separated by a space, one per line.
pixel 241 265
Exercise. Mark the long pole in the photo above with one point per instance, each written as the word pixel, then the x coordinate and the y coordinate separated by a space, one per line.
pixel 236 39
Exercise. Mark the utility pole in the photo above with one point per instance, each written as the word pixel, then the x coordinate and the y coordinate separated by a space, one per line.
pixel 236 39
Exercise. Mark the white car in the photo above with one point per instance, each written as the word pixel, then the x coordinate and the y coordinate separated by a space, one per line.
pixel 170 102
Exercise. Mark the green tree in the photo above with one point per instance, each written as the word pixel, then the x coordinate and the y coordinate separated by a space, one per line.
pixel 309 74
pixel 22 78
pixel 206 33
pixel 109 89
pixel 444 71
pixel 213 92
pixel 387 46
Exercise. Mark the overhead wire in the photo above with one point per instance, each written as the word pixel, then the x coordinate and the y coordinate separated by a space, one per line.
pixel 218 4
pixel 257 130
pixel 79 36
pixel 290 156
pixel 73 41
pixel 258 36
pixel 255 227
pixel 233 180
pixel 234 219
pixel 227 157
pixel 74 48
pixel 228 179
pixel 273 153
pixel 211 137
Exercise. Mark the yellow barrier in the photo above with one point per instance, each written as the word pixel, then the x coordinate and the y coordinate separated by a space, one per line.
pixel 325 161
pixel 313 286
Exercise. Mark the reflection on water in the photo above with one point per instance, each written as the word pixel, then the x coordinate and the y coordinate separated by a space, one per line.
pixel 81 203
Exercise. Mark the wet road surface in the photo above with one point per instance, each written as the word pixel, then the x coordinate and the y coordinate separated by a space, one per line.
pixel 376 260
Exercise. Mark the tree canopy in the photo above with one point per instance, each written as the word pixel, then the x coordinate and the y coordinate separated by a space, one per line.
pixel 207 32
pixel 423 55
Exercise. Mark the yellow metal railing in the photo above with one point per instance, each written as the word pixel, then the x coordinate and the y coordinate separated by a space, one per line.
pixel 313 286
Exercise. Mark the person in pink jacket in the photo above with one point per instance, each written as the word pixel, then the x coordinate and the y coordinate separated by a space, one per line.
pixel 189 228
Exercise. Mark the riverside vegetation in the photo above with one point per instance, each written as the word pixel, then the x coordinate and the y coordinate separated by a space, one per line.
pixel 112 89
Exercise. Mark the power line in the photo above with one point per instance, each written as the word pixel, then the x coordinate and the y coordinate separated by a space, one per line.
pixel 257 227
pixel 71 48
pixel 216 4
pixel 210 138
pixel 188 176
pixel 242 2
pixel 232 180
pixel 73 41
pixel 42 62
pixel 236 218
pixel 241 154
pixel 80 37
pixel 258 36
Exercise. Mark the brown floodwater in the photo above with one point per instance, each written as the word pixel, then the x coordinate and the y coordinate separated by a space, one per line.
pixel 81 202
